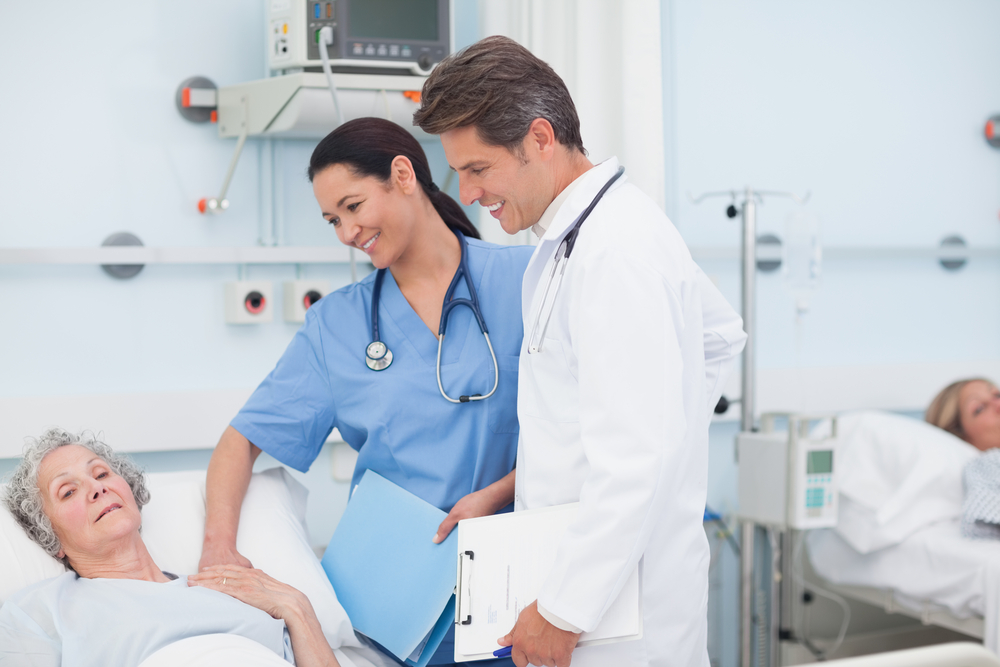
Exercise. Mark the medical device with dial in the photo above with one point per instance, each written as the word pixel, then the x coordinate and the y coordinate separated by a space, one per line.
pixel 787 479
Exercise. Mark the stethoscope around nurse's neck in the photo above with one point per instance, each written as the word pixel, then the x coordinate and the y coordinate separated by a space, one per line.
pixel 378 357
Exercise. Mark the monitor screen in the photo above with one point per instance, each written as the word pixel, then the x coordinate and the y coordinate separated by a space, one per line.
pixel 394 19
pixel 819 462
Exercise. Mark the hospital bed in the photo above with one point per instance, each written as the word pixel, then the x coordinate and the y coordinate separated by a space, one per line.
pixel 272 534
pixel 958 654
pixel 898 542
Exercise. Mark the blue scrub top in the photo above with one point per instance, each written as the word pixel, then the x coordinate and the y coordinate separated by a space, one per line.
pixel 396 419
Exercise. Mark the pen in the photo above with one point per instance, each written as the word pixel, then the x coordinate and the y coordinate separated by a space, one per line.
pixel 503 652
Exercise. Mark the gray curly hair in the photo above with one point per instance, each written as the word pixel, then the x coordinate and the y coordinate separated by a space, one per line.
pixel 24 499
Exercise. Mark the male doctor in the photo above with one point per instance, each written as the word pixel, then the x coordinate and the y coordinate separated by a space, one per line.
pixel 622 362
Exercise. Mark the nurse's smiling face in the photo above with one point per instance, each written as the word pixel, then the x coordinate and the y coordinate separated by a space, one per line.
pixel 89 506
pixel 979 406
pixel 367 213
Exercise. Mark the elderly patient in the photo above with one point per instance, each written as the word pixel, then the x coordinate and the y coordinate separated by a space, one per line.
pixel 969 409
pixel 81 502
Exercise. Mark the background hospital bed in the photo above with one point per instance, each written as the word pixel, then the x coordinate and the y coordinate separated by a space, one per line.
pixel 909 557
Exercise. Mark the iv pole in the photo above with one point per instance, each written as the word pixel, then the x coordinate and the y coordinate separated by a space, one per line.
pixel 748 265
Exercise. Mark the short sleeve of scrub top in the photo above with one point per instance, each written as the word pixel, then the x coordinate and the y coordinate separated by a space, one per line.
pixel 396 419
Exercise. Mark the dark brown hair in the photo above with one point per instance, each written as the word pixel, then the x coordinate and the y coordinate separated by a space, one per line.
pixel 500 87
pixel 369 145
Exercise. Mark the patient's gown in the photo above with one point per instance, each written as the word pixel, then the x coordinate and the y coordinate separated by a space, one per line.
pixel 76 622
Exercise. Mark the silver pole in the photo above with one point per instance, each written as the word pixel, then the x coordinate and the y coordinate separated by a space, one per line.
pixel 746 593
pixel 747 403
pixel 749 265
pixel 774 574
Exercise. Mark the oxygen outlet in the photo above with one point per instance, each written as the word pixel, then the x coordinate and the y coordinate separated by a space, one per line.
pixel 249 302
pixel 255 303
pixel 301 295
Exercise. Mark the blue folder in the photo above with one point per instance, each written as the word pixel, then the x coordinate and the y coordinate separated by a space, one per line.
pixel 395 584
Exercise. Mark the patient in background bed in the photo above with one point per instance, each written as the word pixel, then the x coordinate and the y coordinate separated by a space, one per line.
pixel 81 502
pixel 969 409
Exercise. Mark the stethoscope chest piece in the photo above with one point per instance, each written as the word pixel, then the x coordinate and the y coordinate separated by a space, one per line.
pixel 378 356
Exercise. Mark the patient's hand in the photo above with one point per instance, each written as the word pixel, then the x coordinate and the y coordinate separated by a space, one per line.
pixel 280 600
pixel 252 587
pixel 484 502
pixel 212 555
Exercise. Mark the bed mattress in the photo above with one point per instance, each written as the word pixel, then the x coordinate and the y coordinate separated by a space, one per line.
pixel 936 563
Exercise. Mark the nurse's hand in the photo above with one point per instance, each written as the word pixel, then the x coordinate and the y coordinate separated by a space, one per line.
pixel 536 641
pixel 485 502
pixel 212 555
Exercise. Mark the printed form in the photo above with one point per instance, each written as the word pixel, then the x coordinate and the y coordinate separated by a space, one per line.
pixel 511 554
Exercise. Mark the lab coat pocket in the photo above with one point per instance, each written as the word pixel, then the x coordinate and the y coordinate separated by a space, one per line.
pixel 548 386
pixel 503 404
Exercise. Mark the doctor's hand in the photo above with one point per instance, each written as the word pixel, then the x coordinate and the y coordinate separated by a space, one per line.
pixel 538 642
pixel 485 502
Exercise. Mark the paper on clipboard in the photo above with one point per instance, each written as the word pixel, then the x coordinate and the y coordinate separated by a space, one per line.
pixel 499 576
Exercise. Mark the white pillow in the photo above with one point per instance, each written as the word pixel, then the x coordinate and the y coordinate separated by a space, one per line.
pixel 896 475
pixel 272 535
pixel 22 562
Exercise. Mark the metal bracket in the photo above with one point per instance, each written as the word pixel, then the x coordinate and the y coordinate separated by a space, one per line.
pixel 220 203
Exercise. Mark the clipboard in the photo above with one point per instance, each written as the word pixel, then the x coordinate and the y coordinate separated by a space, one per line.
pixel 395 584
pixel 497 577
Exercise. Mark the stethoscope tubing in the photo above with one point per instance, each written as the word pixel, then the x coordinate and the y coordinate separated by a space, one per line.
pixel 559 264
pixel 473 397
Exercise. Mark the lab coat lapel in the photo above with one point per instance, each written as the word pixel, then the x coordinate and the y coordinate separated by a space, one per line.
pixel 540 264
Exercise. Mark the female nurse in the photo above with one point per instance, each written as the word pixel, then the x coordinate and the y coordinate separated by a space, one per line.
pixel 373 185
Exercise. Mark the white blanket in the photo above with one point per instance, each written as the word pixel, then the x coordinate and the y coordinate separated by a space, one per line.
pixel 934 564
pixel 219 650
pixel 896 475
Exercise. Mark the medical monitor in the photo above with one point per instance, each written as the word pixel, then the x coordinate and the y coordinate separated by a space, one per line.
pixel 372 36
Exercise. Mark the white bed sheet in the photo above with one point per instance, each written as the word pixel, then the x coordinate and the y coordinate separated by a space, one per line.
pixel 236 651
pixel 935 564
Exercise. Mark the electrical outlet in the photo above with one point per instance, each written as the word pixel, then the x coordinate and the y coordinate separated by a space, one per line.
pixel 299 295
pixel 249 302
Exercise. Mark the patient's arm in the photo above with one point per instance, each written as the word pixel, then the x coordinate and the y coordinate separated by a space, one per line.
pixel 280 600
pixel 484 502
pixel 228 478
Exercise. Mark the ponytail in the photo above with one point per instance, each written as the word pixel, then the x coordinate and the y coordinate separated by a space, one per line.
pixel 369 145
pixel 450 211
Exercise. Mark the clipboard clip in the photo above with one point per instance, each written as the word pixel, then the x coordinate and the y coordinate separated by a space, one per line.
pixel 463 600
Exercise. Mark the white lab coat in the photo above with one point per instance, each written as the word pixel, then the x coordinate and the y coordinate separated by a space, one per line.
pixel 614 413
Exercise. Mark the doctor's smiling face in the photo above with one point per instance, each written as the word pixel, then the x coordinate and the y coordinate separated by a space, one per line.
pixel 516 188
pixel 89 506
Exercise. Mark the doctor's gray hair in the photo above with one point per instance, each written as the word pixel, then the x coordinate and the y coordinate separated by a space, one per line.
pixel 499 87
pixel 23 498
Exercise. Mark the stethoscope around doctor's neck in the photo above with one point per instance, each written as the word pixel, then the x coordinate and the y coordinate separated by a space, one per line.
pixel 378 357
